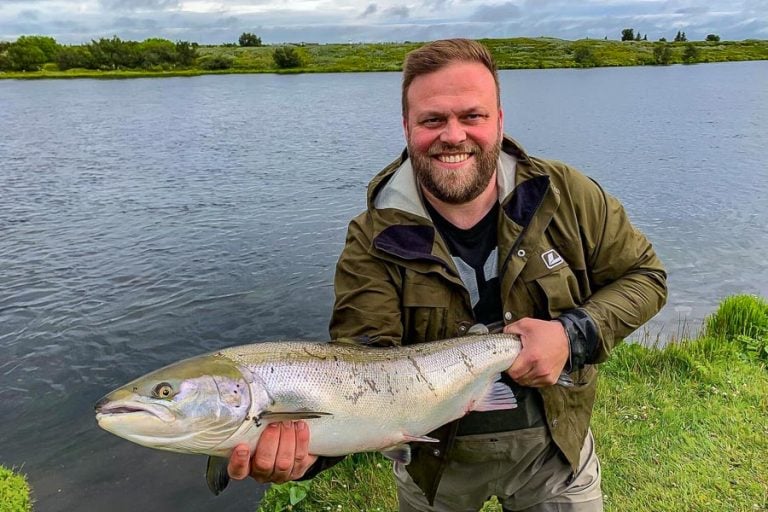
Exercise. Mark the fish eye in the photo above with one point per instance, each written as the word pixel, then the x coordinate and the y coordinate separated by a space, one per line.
pixel 163 390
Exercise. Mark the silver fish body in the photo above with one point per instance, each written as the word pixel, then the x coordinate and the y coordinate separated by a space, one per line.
pixel 354 398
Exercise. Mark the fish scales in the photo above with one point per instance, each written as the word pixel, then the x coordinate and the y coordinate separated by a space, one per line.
pixel 385 392
pixel 355 398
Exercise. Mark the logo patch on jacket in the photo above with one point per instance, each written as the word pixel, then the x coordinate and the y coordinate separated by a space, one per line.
pixel 551 259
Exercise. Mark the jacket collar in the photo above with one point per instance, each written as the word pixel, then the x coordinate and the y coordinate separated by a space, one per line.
pixel 402 227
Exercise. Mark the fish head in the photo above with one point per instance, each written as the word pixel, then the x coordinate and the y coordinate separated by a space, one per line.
pixel 191 406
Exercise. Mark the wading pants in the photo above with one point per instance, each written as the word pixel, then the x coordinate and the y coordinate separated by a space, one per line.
pixel 522 468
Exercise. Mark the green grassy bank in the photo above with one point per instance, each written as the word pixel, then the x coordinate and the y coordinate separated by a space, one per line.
pixel 512 53
pixel 14 492
pixel 679 428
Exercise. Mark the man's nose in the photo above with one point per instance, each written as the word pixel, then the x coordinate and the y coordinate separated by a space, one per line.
pixel 453 133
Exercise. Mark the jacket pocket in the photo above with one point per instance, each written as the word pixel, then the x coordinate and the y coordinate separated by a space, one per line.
pixel 554 291
pixel 425 310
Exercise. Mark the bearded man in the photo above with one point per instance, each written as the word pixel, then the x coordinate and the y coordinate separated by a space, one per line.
pixel 465 228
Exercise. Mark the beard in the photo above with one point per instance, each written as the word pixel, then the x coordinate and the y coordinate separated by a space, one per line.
pixel 455 186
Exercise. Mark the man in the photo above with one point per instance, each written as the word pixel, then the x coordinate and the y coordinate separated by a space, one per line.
pixel 466 228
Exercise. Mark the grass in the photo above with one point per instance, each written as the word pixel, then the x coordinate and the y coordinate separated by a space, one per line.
pixel 681 428
pixel 510 53
pixel 14 492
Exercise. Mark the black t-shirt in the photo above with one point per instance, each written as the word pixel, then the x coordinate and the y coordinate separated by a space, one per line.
pixel 476 254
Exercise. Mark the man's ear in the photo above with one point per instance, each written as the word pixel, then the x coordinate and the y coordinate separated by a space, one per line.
pixel 405 127
pixel 501 120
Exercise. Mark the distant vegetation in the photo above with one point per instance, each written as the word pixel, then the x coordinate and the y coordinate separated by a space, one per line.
pixel 43 57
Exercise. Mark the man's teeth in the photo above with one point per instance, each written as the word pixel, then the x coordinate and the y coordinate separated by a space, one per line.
pixel 453 159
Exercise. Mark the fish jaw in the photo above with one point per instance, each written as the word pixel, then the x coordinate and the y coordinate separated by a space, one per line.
pixel 191 406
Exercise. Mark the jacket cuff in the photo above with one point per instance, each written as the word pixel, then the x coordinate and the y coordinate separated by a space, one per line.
pixel 321 464
pixel 582 338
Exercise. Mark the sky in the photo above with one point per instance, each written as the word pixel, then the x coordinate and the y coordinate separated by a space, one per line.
pixel 343 21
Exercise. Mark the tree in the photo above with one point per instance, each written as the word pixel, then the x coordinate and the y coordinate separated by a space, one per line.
pixel 628 34
pixel 662 39
pixel 680 37
pixel 713 37
pixel 156 52
pixel 286 57
pixel 24 57
pixel 47 45
pixel 662 53
pixel 690 53
pixel 248 39
pixel 637 37
pixel 186 53
pixel 75 57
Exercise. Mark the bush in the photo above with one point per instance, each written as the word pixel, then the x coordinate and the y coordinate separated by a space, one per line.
pixel 286 57
pixel 14 492
pixel 690 54
pixel 75 57
pixel 662 53
pixel 584 56
pixel 739 315
pixel 248 39
pixel 214 62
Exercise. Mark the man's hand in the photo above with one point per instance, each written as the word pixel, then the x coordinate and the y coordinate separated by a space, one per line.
pixel 281 454
pixel 544 354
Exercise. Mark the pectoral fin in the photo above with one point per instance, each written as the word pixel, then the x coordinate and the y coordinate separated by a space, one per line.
pixel 216 474
pixel 292 415
pixel 498 397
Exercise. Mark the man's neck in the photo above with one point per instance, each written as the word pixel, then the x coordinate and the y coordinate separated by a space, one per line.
pixel 466 215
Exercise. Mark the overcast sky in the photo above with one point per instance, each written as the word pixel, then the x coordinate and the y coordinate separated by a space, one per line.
pixel 275 21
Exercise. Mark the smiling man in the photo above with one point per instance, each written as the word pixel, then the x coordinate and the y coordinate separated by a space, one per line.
pixel 465 228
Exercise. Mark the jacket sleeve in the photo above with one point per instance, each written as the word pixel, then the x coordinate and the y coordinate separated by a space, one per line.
pixel 627 277
pixel 367 291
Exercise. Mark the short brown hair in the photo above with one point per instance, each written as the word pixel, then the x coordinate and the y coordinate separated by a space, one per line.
pixel 438 54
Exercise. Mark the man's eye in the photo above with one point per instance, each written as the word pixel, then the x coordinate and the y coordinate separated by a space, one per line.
pixel 432 121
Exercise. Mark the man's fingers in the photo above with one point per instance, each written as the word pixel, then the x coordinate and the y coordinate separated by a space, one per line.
pixel 286 453
pixel 239 463
pixel 263 461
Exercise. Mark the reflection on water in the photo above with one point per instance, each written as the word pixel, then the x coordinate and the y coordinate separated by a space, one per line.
pixel 145 221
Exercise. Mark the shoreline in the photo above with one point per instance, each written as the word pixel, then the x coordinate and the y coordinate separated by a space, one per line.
pixel 513 53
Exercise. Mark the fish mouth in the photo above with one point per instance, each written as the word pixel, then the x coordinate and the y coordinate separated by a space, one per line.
pixel 106 408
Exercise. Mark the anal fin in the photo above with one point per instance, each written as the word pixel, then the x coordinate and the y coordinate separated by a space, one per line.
pixel 498 397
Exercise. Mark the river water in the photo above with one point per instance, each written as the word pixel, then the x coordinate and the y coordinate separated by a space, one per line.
pixel 143 221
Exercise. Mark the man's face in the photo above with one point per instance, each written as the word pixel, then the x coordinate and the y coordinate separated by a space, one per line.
pixel 453 127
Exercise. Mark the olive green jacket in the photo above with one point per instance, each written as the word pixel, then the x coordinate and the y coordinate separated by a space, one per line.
pixel 563 244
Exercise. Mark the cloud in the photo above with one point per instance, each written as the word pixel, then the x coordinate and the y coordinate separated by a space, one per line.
pixel 140 5
pixel 401 11
pixel 371 9
pixel 496 12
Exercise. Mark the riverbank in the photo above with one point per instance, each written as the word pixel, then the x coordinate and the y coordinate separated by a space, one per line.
pixel 512 53
pixel 678 428
pixel 14 492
